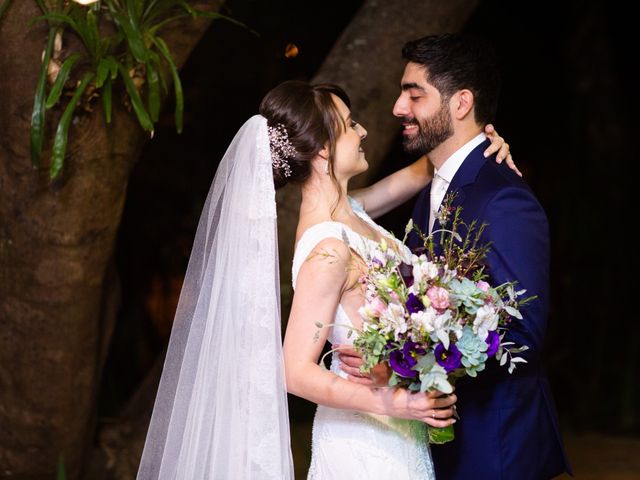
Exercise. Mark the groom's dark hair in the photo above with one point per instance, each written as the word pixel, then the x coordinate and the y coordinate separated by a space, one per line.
pixel 460 61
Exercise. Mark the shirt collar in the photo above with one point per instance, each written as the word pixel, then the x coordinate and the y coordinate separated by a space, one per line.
pixel 452 164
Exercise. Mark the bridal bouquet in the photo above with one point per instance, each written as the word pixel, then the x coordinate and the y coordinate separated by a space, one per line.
pixel 434 318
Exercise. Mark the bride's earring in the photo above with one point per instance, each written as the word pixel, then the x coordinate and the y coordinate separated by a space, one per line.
pixel 326 168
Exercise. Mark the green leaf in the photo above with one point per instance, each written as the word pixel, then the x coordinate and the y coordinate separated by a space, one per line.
pixel 102 71
pixel 138 106
pixel 134 10
pixel 61 474
pixel 61 79
pixel 153 86
pixel 62 133
pixel 58 19
pixel 37 116
pixel 212 16
pixel 113 63
pixel 177 85
pixel 106 99
pixel 132 34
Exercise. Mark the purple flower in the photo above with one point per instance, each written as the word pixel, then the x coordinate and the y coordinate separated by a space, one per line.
pixel 414 305
pixel 403 361
pixel 493 340
pixel 448 359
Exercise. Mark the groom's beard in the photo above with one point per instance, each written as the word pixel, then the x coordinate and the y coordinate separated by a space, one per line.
pixel 431 132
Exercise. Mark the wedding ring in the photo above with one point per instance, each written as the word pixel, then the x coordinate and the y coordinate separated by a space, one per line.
pixel 433 414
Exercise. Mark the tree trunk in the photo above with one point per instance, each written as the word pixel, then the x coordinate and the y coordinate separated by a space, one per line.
pixel 366 61
pixel 56 241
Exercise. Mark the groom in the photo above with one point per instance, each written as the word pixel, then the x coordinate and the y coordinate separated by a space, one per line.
pixel 508 427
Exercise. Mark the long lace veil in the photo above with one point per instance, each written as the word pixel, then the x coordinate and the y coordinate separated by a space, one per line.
pixel 221 407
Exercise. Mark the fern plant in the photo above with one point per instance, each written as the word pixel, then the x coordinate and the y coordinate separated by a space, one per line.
pixel 123 44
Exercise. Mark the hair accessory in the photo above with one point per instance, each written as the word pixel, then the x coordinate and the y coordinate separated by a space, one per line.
pixel 281 148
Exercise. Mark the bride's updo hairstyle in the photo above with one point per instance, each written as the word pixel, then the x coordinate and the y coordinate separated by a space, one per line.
pixel 311 121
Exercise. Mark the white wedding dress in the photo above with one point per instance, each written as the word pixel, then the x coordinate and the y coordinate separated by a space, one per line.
pixel 354 445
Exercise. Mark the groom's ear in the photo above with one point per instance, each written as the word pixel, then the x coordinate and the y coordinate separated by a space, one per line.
pixel 462 104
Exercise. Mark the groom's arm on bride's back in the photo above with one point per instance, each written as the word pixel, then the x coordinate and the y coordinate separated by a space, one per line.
pixel 519 234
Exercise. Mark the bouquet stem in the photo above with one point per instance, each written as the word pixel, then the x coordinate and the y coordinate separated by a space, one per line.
pixel 442 435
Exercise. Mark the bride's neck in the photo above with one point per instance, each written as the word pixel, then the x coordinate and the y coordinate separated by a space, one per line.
pixel 323 201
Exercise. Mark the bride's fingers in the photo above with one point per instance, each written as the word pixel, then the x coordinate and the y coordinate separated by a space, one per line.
pixel 351 370
pixel 503 152
pixel 360 380
pixel 353 362
pixel 443 402
pixel 512 165
pixel 439 423
pixel 497 141
pixel 347 350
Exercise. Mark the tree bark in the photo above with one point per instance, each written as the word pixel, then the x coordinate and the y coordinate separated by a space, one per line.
pixel 56 241
pixel 366 61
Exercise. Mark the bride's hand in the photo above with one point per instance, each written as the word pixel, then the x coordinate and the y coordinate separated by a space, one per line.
pixel 350 363
pixel 433 408
pixel 499 145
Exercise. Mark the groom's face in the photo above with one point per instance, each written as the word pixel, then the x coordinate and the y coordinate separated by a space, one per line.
pixel 425 115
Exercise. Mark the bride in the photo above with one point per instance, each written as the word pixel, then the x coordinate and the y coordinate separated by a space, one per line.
pixel 221 408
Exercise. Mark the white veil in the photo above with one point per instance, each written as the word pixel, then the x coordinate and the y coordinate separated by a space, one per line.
pixel 221 407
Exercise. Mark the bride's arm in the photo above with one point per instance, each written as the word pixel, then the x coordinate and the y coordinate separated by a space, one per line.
pixel 397 188
pixel 323 278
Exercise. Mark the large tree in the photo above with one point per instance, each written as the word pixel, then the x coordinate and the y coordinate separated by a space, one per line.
pixel 57 283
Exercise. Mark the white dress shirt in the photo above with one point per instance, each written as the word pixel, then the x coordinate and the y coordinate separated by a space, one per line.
pixel 442 177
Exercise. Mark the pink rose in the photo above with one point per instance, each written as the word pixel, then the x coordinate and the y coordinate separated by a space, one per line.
pixel 484 286
pixel 439 297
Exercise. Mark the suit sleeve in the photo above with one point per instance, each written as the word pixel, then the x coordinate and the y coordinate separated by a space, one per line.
pixel 519 234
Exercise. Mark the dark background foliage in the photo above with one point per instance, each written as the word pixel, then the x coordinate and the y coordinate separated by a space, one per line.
pixel 566 110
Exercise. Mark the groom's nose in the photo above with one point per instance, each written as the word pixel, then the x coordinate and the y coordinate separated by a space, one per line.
pixel 401 109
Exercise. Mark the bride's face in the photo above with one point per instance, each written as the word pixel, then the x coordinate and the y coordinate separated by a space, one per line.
pixel 349 157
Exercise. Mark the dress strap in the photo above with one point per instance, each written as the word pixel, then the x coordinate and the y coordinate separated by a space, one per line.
pixel 319 232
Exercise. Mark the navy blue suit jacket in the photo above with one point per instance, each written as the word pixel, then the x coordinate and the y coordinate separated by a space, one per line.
pixel 508 427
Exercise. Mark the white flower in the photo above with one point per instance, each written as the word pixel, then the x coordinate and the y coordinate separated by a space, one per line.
pixel 486 320
pixel 86 2
pixel 425 319
pixel 423 269
pixel 441 326
pixel 393 320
